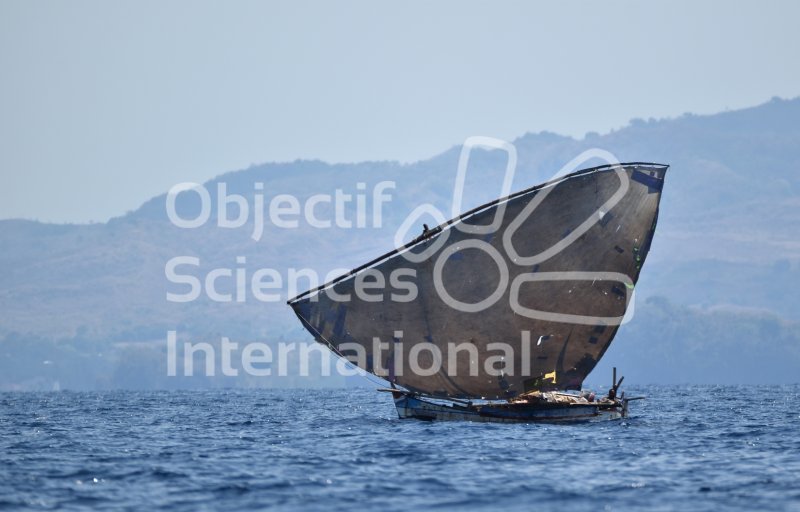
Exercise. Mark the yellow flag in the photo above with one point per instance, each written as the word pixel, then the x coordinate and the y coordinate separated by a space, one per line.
pixel 551 375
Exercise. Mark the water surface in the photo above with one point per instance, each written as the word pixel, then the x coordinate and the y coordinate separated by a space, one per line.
pixel 685 448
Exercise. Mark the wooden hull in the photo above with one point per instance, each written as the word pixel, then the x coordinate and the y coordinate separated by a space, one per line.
pixel 421 408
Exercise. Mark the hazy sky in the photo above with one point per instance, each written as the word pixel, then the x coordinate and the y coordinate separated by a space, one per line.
pixel 105 104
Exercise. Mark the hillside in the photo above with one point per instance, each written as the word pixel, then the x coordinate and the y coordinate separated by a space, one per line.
pixel 724 267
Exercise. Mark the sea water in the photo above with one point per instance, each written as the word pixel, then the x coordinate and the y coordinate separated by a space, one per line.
pixel 683 448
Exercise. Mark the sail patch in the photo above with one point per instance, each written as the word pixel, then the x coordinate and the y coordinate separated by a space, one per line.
pixel 653 184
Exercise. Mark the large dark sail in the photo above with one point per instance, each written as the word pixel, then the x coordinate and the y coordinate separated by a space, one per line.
pixel 523 293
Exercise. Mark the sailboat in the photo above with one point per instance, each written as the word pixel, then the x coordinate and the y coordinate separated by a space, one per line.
pixel 499 314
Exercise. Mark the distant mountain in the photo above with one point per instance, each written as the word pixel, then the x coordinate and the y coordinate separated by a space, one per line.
pixel 725 264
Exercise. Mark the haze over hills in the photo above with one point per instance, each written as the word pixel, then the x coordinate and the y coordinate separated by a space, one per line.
pixel 85 305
